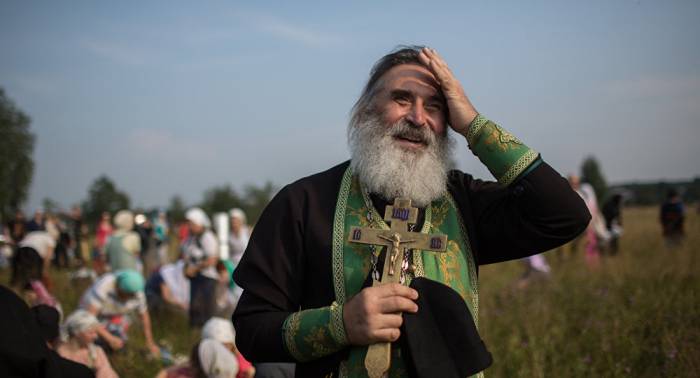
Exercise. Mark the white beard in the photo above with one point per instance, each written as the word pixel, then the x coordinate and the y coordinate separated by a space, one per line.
pixel 387 169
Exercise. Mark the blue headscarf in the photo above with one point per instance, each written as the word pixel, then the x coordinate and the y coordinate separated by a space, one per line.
pixel 130 281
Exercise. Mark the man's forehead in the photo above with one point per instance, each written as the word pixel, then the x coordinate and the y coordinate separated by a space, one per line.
pixel 410 74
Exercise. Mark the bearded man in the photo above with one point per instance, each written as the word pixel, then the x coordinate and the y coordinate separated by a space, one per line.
pixel 308 292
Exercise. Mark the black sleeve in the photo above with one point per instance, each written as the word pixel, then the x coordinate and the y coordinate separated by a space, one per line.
pixel 534 214
pixel 269 274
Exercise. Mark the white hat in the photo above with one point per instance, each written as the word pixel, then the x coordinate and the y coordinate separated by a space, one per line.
pixel 220 330
pixel 198 216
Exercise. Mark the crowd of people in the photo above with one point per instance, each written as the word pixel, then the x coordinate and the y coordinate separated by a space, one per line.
pixel 134 272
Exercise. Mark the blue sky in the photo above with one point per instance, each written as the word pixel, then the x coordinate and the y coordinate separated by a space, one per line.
pixel 175 97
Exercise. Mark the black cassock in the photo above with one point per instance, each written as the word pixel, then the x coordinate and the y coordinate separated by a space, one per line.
pixel 287 265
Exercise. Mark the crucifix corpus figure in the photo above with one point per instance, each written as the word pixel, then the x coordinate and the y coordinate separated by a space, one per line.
pixel 397 240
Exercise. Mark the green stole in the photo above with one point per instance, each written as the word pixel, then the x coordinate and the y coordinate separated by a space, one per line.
pixel 351 261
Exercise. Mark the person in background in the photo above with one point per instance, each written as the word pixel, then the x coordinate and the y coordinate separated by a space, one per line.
pixel 124 246
pixel 85 243
pixel 161 231
pixel 227 292
pixel 240 234
pixel 536 268
pixel 144 228
pixel 52 225
pixel 61 234
pixel 188 369
pixel 80 331
pixel 104 230
pixel 183 232
pixel 47 320
pixel 44 244
pixel 17 227
pixel 201 254
pixel 28 278
pixel 169 286
pixel 613 221
pixel 221 330
pixel 595 234
pixel 102 234
pixel 672 217
pixel 75 227
pixel 111 299
pixel 37 222
pixel 208 359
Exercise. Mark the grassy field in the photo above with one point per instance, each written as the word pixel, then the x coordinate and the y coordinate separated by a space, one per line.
pixel 637 315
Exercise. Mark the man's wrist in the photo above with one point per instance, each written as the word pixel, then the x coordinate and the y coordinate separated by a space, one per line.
pixel 474 128
pixel 505 156
pixel 338 324
pixel 314 333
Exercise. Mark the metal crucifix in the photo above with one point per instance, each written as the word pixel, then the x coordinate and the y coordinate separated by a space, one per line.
pixel 396 239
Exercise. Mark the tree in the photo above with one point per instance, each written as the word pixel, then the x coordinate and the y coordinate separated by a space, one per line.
pixel 176 210
pixel 16 163
pixel 256 199
pixel 50 206
pixel 220 198
pixel 591 173
pixel 103 196
pixel 224 198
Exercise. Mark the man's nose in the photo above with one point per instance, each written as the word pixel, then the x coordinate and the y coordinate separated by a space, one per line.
pixel 417 115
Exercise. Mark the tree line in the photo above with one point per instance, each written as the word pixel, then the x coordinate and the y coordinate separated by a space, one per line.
pixel 103 195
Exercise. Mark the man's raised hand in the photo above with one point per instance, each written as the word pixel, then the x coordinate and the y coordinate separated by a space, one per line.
pixel 461 111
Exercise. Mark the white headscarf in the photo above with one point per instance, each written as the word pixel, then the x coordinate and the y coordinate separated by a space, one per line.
pixel 216 360
pixel 124 220
pixel 219 329
pixel 238 213
pixel 198 216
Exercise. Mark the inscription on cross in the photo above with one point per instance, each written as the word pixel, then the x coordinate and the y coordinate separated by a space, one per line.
pixel 396 239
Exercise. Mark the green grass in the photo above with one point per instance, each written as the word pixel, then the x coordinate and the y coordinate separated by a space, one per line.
pixel 638 315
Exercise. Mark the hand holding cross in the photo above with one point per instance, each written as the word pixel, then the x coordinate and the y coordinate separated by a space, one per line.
pixel 378 359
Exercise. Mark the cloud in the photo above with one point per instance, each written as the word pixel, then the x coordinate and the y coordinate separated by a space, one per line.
pixel 116 52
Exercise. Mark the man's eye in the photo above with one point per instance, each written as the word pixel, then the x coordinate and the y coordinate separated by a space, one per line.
pixel 434 107
pixel 401 100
